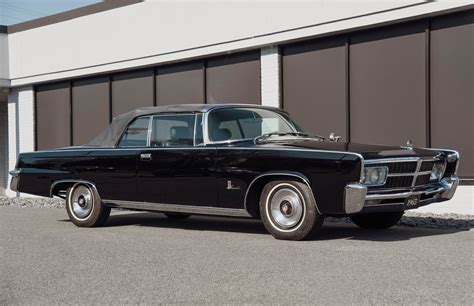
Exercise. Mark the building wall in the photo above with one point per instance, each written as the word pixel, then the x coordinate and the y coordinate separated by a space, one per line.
pixel 168 31
pixel 4 64
pixel 3 144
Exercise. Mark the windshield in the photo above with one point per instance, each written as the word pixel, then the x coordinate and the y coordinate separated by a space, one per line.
pixel 247 123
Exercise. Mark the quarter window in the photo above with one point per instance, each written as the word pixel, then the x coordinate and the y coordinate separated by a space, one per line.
pixel 136 133
pixel 175 131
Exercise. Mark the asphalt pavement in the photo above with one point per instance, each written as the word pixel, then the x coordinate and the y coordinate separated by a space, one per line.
pixel 145 258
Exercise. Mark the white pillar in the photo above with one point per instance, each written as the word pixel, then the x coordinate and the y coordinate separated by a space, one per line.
pixel 21 126
pixel 270 76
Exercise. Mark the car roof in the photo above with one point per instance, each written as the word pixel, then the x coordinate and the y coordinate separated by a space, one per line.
pixel 110 136
pixel 193 108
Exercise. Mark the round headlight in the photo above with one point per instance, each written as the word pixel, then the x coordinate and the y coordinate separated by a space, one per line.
pixel 374 176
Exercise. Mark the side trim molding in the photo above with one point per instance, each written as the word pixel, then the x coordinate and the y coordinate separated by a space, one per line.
pixel 177 208
pixel 74 182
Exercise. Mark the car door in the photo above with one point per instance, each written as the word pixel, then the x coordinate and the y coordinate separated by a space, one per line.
pixel 116 178
pixel 177 168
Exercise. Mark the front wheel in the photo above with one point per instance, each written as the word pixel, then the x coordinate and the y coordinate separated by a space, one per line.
pixel 288 210
pixel 84 206
pixel 377 220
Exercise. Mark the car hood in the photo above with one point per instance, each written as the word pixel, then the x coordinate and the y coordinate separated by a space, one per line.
pixel 366 150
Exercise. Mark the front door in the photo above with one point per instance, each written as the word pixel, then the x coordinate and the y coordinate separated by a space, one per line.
pixel 175 168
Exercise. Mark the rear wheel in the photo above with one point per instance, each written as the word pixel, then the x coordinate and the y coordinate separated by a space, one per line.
pixel 84 206
pixel 377 220
pixel 177 216
pixel 288 210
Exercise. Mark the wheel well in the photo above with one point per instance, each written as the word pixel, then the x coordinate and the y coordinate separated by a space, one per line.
pixel 252 199
pixel 60 188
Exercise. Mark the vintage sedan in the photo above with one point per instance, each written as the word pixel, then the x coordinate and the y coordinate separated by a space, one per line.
pixel 238 161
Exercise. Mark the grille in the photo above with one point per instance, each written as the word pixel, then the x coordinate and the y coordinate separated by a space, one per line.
pixel 427 165
pixel 422 180
pixel 403 167
pixel 401 174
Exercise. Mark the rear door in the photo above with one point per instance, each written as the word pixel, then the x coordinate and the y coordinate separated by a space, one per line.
pixel 116 178
pixel 176 168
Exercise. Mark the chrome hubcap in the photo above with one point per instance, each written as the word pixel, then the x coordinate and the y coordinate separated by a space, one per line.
pixel 286 207
pixel 81 201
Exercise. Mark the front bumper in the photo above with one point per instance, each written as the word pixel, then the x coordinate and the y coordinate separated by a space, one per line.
pixel 358 199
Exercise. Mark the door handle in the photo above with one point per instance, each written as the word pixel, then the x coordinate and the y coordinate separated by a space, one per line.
pixel 145 156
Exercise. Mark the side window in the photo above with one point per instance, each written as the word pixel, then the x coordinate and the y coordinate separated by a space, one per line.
pixel 175 131
pixel 136 133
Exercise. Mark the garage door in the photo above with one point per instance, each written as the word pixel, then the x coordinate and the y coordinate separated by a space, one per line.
pixel 180 84
pixel 452 87
pixel 53 116
pixel 314 85
pixel 131 90
pixel 234 79
pixel 388 85
pixel 90 108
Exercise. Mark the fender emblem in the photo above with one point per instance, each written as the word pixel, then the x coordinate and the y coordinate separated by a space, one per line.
pixel 230 186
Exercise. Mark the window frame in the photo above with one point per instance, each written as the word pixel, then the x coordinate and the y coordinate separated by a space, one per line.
pixel 124 132
pixel 208 141
pixel 150 130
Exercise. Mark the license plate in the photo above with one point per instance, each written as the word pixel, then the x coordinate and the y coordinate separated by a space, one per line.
pixel 412 202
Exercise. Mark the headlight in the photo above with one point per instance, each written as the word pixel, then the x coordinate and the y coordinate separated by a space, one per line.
pixel 375 175
pixel 437 171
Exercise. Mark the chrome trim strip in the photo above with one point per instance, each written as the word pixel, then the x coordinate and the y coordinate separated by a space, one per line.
pixel 298 175
pixel 446 186
pixel 391 160
pixel 409 174
pixel 176 208
pixel 75 181
pixel 15 172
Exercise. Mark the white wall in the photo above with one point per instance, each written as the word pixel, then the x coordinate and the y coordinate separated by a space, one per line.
pixel 4 71
pixel 21 126
pixel 159 31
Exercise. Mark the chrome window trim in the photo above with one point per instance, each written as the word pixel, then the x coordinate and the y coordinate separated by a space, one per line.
pixel 207 139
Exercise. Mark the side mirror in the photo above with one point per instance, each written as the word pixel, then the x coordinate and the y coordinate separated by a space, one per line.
pixel 334 138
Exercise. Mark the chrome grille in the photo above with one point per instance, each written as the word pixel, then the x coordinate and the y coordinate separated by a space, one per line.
pixel 404 172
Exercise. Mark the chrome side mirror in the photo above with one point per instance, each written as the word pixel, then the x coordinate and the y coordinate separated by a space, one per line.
pixel 334 138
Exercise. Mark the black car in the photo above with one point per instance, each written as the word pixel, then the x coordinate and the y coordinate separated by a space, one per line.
pixel 239 161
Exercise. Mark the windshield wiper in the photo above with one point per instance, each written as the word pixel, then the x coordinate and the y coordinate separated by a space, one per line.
pixel 300 134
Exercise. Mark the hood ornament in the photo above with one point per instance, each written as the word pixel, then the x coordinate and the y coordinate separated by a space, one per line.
pixel 409 145
pixel 334 138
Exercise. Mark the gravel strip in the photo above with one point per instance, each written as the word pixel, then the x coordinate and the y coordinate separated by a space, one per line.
pixel 410 219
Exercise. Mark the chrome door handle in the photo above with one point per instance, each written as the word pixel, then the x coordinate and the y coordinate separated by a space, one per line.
pixel 145 156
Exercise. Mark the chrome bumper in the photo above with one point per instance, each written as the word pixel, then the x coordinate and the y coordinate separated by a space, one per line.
pixel 357 198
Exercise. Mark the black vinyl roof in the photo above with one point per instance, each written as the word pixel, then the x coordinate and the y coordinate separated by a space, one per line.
pixel 111 135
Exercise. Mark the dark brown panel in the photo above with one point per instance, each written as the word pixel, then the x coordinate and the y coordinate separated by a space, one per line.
pixel 180 84
pixel 71 14
pixel 90 108
pixel 314 91
pixel 452 87
pixel 387 85
pixel 234 79
pixel 131 91
pixel 53 116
